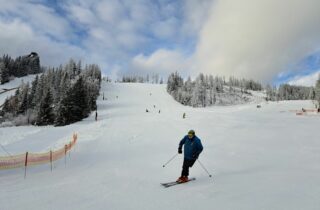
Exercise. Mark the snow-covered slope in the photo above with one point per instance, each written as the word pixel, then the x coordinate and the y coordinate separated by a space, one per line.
pixel 13 84
pixel 265 158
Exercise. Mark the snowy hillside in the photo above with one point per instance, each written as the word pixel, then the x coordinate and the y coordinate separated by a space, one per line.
pixel 265 158
pixel 11 85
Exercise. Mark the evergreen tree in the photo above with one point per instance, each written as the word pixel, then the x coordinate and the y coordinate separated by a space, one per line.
pixel 4 73
pixel 317 91
pixel 72 98
pixel 62 112
pixel 73 107
pixel 39 92
pixel 31 99
pixel 23 100
pixel 79 98
pixel 200 92
pixel 45 114
pixel 312 94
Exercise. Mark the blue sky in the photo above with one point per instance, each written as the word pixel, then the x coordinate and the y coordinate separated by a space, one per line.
pixel 161 36
pixel 303 72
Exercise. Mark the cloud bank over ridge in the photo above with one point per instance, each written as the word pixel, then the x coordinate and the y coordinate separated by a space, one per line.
pixel 257 39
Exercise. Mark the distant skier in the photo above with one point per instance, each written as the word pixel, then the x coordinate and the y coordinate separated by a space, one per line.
pixel 192 149
pixel 184 115
pixel 147 110
pixel 96 115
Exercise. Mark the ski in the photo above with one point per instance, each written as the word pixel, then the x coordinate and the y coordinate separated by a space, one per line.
pixel 170 184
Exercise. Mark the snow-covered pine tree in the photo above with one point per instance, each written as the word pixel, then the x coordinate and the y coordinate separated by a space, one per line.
pixel 61 108
pixel 73 107
pixel 4 73
pixel 39 92
pixel 23 99
pixel 175 82
pixel 317 91
pixel 45 114
pixel 200 92
pixel 312 94
pixel 79 97
pixel 31 98
pixel 62 112
pixel 71 98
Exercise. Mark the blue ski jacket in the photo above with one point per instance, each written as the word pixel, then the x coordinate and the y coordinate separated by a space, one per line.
pixel 192 147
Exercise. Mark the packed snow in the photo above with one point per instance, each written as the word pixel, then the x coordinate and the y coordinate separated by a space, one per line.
pixel 266 158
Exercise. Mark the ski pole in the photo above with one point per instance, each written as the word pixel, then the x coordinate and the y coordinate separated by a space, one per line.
pixel 170 160
pixel 204 168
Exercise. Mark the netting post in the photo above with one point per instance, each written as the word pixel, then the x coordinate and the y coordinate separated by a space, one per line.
pixel 74 141
pixel 65 155
pixel 51 159
pixel 25 165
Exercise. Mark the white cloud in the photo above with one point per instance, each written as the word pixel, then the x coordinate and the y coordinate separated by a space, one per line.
pixel 161 61
pixel 307 80
pixel 116 34
pixel 249 38
pixel 82 14
pixel 111 11
pixel 20 39
pixel 196 13
pixel 257 39
pixel 166 29
pixel 41 18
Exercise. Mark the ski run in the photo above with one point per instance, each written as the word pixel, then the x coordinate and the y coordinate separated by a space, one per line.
pixel 265 158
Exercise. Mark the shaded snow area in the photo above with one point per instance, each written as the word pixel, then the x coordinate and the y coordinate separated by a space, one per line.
pixel 266 158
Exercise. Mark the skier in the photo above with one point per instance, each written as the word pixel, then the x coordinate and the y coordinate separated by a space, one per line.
pixel 192 149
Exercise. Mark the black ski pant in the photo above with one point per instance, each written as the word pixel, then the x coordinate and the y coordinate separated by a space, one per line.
pixel 186 165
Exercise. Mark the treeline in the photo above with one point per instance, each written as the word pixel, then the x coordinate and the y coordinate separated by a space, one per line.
pixel 19 67
pixel 293 92
pixel 208 90
pixel 154 79
pixel 59 96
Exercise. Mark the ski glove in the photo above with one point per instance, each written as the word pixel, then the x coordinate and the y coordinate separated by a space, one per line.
pixel 180 150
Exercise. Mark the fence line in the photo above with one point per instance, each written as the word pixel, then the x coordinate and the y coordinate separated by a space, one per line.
pixel 32 159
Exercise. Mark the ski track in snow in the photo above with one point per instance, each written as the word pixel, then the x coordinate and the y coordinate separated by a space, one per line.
pixel 265 158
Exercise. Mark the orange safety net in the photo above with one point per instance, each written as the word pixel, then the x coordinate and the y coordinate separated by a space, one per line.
pixel 304 110
pixel 29 159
